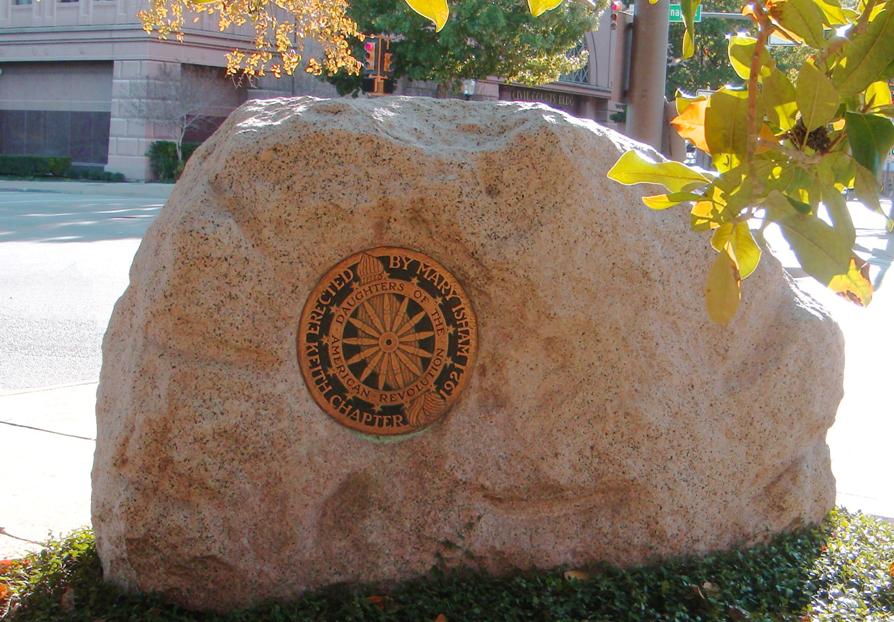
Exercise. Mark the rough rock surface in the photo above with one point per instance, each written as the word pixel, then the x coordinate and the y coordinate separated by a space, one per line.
pixel 606 418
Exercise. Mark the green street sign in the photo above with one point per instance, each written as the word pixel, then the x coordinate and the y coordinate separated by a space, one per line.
pixel 676 13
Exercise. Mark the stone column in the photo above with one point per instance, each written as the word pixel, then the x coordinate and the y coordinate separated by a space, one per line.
pixel 134 125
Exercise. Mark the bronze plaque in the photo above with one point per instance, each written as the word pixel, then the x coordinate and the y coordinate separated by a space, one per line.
pixel 387 341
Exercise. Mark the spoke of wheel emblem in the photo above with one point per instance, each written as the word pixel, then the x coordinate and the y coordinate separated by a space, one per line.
pixel 401 312
pixel 416 336
pixel 398 372
pixel 414 350
pixel 370 366
pixel 383 366
pixel 408 363
pixel 364 354
pixel 366 328
pixel 387 312
pixel 361 341
pixel 410 323
pixel 375 318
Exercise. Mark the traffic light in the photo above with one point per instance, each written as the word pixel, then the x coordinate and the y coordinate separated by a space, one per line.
pixel 369 47
pixel 617 7
pixel 386 62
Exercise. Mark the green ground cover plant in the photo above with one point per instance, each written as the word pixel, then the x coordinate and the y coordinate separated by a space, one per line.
pixel 840 570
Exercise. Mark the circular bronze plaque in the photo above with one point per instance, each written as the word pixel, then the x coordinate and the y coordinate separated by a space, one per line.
pixel 387 341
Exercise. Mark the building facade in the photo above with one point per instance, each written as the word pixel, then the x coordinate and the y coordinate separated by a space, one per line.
pixel 81 78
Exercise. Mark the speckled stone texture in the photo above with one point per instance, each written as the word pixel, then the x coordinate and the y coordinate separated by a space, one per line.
pixel 606 418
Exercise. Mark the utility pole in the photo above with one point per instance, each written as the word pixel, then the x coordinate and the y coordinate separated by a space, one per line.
pixel 648 72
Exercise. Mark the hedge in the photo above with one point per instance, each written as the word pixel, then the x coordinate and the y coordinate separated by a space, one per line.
pixel 34 166
pixel 163 159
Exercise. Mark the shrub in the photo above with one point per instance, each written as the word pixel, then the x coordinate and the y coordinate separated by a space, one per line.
pixel 94 173
pixel 163 159
pixel 34 166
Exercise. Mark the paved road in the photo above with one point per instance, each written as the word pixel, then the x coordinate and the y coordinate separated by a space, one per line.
pixel 64 261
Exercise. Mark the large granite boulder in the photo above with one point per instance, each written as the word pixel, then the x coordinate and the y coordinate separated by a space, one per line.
pixel 605 419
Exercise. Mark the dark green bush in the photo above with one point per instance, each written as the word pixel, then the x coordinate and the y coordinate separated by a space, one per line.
pixel 163 159
pixel 842 570
pixel 34 166
pixel 94 173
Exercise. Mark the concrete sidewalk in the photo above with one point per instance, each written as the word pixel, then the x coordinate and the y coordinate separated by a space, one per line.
pixel 123 189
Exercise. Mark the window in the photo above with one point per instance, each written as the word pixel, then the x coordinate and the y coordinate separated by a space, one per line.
pixel 580 76
pixel 22 2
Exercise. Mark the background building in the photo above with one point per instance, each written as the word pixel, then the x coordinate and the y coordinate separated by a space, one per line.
pixel 81 78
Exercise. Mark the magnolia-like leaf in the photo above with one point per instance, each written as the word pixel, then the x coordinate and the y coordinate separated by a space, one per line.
pixel 854 285
pixel 740 52
pixel 816 97
pixel 824 252
pixel 690 124
pixel 722 236
pixel 745 249
pixel 839 214
pixel 866 56
pixel 538 7
pixel 779 97
pixel 803 18
pixel 832 11
pixel 878 95
pixel 688 9
pixel 682 101
pixel 722 293
pixel 870 137
pixel 866 187
pixel 664 201
pixel 632 168
pixel 437 10
pixel 726 128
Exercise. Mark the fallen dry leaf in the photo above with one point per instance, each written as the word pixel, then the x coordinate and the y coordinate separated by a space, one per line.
pixel 378 601
pixel 441 618
pixel 576 575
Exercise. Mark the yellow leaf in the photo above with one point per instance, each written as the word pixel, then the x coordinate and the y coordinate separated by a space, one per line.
pixel 435 10
pixel 664 201
pixel 722 293
pixel 878 95
pixel 632 168
pixel 722 235
pixel 538 7
pixel 855 285
pixel 745 249
pixel 576 575
pixel 690 124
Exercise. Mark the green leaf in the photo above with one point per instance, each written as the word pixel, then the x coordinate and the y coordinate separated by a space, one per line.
pixel 688 9
pixel 839 214
pixel 726 128
pixel 866 187
pixel 664 201
pixel 722 293
pixel 816 97
pixel 804 18
pixel 870 137
pixel 632 168
pixel 741 50
pixel 779 97
pixel 825 252
pixel 866 56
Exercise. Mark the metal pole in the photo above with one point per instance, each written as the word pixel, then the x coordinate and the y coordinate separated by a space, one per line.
pixel 645 110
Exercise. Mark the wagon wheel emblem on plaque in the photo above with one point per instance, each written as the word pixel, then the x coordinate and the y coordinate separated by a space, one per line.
pixel 387 341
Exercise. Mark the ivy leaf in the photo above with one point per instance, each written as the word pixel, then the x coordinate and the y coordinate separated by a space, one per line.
pixel 801 18
pixel 867 56
pixel 437 10
pixel 726 128
pixel 870 137
pixel 779 96
pixel 722 293
pixel 816 97
pixel 690 124
pixel 632 168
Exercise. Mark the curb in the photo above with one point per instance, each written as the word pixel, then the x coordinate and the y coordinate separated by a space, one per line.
pixel 122 189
